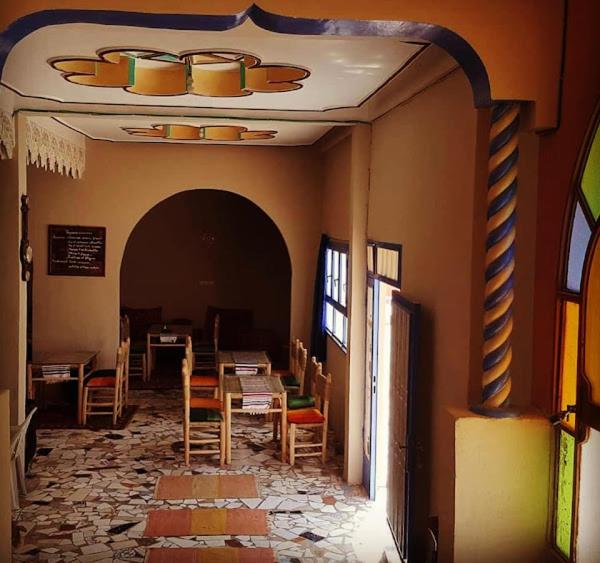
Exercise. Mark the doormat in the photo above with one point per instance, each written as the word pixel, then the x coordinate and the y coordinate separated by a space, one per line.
pixel 207 522
pixel 173 487
pixel 210 555
pixel 56 419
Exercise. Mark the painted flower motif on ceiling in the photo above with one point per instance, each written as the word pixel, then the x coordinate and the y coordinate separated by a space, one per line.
pixel 200 133
pixel 152 73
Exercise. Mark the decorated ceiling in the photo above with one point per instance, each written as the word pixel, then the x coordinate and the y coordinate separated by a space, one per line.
pixel 242 85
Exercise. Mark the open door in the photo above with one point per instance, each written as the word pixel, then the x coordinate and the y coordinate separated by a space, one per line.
pixel 402 442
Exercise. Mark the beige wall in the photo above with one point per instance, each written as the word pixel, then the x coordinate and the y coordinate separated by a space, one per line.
pixel 335 224
pixel 121 183
pixel 205 248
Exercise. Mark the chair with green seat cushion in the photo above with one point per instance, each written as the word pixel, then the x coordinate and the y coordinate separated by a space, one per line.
pixel 205 415
pixel 295 402
pixel 290 381
pixel 293 383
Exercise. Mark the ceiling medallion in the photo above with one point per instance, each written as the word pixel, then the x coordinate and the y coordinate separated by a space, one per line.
pixel 200 133
pixel 155 73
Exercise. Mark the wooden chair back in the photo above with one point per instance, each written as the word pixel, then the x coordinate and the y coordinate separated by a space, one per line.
pixel 316 369
pixel 302 362
pixel 323 394
pixel 294 355
pixel 185 383
pixel 124 328
pixel 189 353
pixel 216 332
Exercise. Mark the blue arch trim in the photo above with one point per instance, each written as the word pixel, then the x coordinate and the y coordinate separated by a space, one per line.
pixel 451 42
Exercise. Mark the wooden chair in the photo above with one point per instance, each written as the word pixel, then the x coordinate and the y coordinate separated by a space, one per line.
pixel 137 364
pixel 294 383
pixel 205 414
pixel 296 402
pixel 314 421
pixel 294 345
pixel 102 392
pixel 17 458
pixel 199 379
pixel 205 353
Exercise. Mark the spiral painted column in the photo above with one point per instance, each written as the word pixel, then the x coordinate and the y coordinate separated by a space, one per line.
pixel 500 260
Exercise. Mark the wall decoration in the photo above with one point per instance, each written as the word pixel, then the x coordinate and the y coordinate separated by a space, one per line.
pixel 7 136
pixel 51 151
pixel 156 73
pixel 25 250
pixel 76 250
pixel 200 133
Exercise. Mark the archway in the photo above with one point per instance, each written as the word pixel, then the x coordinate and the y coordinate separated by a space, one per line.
pixel 205 250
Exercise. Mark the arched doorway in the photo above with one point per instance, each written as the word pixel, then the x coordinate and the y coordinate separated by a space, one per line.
pixel 202 251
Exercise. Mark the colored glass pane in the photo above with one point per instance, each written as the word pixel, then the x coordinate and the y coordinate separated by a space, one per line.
pixel 580 238
pixel 564 500
pixel 592 328
pixel 590 183
pixel 568 368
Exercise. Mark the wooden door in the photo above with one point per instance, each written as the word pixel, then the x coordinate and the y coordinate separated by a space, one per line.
pixel 402 443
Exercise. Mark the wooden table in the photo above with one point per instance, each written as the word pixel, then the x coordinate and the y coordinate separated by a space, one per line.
pixel 233 390
pixel 75 360
pixel 231 359
pixel 153 339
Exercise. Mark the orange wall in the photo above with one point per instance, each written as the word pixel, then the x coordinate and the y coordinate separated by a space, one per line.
pixel 559 152
pixel 170 262
pixel 121 183
pixel 516 72
pixel 335 223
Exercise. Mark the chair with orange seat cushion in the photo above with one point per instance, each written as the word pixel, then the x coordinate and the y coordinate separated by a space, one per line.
pixel 312 420
pixel 101 392
pixel 199 379
pixel 204 414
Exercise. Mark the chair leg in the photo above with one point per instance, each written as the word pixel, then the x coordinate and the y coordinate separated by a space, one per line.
pixel 292 433
pixel 116 406
pixel 324 442
pixel 14 490
pixel 85 405
pixel 186 445
pixel 222 444
pixel 276 419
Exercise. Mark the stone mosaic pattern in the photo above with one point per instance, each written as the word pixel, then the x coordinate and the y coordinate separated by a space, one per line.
pixel 90 492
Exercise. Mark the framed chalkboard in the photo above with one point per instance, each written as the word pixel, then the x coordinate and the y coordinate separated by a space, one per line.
pixel 74 250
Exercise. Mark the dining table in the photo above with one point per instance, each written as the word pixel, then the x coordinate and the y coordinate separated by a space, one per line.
pixel 242 360
pixel 82 361
pixel 233 389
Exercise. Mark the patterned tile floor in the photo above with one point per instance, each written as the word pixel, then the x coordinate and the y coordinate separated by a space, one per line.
pixel 89 492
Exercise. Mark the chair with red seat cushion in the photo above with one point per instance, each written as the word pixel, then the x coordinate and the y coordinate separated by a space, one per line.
pixel 313 422
pixel 204 413
pixel 104 391
pixel 199 379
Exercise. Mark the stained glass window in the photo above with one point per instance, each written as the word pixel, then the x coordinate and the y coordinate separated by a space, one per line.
pixel 580 237
pixel 592 328
pixel 590 182
pixel 568 367
pixel 564 498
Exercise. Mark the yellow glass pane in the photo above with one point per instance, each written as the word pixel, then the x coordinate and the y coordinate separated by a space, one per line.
pixel 592 328
pixel 568 367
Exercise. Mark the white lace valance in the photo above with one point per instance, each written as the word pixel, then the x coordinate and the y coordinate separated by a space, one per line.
pixel 7 135
pixel 51 148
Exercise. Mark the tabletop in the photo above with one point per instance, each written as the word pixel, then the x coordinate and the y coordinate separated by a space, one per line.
pixel 180 330
pixel 247 357
pixel 63 358
pixel 232 384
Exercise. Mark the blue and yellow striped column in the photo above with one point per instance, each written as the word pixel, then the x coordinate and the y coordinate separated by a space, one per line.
pixel 500 260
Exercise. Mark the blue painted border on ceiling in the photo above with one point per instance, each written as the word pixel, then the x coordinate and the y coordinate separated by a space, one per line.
pixel 444 38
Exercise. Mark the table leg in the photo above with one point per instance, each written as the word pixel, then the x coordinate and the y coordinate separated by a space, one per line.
pixel 228 425
pixel 284 426
pixel 221 380
pixel 149 356
pixel 81 375
pixel 29 382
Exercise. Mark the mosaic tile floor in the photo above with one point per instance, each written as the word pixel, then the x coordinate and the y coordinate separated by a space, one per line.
pixel 89 492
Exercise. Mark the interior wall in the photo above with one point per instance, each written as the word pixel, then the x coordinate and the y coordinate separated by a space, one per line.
pixel 204 248
pixel 121 183
pixel 335 223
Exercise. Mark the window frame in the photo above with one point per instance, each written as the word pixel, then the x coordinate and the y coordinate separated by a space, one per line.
pixel 375 245
pixel 342 248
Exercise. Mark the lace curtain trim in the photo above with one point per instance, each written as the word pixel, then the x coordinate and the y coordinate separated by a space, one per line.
pixel 47 150
pixel 7 136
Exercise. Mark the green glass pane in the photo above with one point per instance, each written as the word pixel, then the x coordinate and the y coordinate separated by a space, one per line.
pixel 590 182
pixel 564 497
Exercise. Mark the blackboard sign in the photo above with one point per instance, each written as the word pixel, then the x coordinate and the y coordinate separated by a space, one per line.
pixel 76 251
